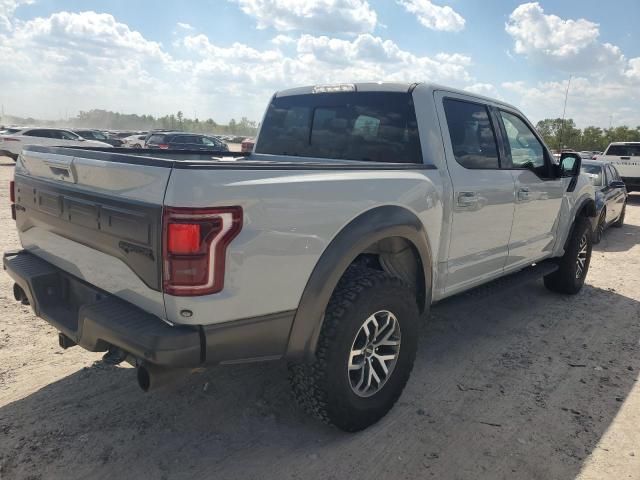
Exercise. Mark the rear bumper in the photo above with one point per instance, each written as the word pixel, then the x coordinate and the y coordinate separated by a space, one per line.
pixel 97 320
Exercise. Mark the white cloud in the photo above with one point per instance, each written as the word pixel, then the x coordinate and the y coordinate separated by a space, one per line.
pixel 317 60
pixel 570 45
pixel 7 9
pixel 319 16
pixel 434 17
pixel 590 101
pixel 486 89
pixel 91 60
pixel 282 40
pixel 633 71
pixel 185 26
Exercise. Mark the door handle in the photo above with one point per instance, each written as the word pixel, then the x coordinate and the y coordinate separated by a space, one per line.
pixel 523 194
pixel 467 199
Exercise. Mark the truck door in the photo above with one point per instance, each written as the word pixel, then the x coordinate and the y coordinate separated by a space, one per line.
pixel 539 191
pixel 483 194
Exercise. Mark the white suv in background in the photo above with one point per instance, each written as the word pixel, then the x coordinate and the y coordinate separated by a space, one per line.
pixel 13 140
pixel 626 157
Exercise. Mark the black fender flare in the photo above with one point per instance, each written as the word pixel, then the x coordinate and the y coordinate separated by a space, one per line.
pixel 362 232
pixel 585 204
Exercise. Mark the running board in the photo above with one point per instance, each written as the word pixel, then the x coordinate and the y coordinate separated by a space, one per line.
pixel 509 282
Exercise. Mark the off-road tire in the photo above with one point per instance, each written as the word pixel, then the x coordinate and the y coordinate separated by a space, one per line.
pixel 322 387
pixel 620 221
pixel 565 279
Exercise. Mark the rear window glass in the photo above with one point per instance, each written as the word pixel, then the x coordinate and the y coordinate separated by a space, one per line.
pixel 594 172
pixel 368 126
pixel 624 150
pixel 156 139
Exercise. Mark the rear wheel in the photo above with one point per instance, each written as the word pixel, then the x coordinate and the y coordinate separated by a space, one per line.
pixel 365 352
pixel 574 264
pixel 620 222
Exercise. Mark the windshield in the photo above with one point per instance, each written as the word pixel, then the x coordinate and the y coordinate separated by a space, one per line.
pixel 368 126
pixel 594 172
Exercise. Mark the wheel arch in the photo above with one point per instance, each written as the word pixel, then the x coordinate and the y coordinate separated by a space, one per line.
pixel 368 234
pixel 586 208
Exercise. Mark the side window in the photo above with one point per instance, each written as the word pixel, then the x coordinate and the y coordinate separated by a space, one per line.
pixel 472 136
pixel 37 133
pixel 526 150
pixel 611 176
pixel 207 141
pixel 66 135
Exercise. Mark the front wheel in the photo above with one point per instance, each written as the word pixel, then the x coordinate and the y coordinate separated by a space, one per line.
pixel 365 352
pixel 574 264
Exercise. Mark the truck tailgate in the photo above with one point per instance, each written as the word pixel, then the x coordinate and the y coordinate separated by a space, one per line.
pixel 98 220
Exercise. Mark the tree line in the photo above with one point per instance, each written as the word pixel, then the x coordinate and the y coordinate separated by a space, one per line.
pixel 107 120
pixel 558 133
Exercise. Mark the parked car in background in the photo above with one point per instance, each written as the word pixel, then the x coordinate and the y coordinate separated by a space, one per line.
pixel 587 154
pixel 247 145
pixel 326 246
pixel 611 195
pixel 626 158
pixel 185 141
pixel 99 136
pixel 12 144
pixel 134 141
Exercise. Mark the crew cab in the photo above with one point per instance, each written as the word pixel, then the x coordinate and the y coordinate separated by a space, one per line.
pixel 626 158
pixel 361 205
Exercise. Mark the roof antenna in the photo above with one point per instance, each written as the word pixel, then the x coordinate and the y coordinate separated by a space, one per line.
pixel 564 111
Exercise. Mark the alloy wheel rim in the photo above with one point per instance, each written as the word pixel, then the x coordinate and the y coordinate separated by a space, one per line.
pixel 374 353
pixel 581 261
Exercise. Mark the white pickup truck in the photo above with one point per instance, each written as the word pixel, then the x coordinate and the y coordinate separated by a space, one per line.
pixel 361 205
pixel 626 157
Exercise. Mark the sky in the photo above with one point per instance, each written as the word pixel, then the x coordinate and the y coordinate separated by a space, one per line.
pixel 224 58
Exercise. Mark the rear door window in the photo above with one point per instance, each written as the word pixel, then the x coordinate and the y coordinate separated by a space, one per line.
pixel 472 136
pixel 367 126
pixel 594 173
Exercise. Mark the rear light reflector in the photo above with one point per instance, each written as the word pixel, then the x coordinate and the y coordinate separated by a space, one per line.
pixel 195 242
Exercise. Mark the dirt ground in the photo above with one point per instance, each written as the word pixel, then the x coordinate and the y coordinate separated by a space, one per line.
pixel 523 384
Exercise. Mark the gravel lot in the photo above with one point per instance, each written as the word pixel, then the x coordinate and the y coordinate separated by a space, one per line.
pixel 522 384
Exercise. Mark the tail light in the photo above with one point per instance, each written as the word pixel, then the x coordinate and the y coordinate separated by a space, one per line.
pixel 10 139
pixel 195 248
pixel 164 146
pixel 12 198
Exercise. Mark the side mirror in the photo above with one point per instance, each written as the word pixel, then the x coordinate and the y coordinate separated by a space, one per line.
pixel 617 184
pixel 570 164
